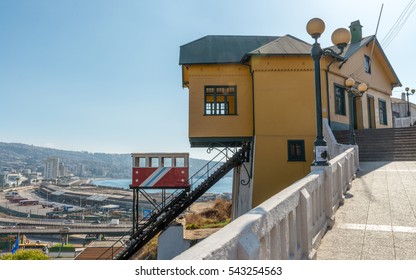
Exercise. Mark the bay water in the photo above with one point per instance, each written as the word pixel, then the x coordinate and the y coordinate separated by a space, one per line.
pixel 222 186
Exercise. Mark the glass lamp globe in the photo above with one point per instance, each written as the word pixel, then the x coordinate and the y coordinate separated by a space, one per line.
pixel 341 37
pixel 349 82
pixel 362 87
pixel 315 27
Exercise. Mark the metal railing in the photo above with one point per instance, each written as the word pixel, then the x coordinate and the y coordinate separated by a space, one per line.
pixel 166 211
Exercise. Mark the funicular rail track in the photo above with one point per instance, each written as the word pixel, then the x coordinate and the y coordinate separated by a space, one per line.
pixel 177 203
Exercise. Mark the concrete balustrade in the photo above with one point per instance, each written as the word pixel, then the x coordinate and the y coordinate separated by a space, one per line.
pixel 290 224
pixel 404 122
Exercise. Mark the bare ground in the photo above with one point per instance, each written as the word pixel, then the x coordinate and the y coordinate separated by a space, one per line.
pixel 193 234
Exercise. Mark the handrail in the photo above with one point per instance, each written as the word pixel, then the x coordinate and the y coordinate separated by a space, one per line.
pixel 288 225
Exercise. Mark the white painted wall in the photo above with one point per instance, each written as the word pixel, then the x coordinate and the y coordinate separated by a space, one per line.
pixel 242 190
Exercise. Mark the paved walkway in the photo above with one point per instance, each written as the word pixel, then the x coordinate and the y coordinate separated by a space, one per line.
pixel 378 219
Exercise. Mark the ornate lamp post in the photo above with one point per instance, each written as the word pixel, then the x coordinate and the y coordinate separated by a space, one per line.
pixel 408 103
pixel 340 38
pixel 350 83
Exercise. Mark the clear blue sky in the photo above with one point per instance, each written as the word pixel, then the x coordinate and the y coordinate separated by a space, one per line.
pixel 103 76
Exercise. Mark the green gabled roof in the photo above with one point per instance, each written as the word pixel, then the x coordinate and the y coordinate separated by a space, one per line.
pixel 221 49
pixel 352 48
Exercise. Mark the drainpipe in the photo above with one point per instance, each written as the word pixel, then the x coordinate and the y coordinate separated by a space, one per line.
pixel 252 97
pixel 252 93
pixel 254 121
pixel 254 124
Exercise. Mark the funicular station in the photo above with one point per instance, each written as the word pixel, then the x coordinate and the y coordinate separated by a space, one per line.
pixel 167 174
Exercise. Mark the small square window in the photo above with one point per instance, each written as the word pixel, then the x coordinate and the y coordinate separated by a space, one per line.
pixel 167 162
pixel 140 162
pixel 154 162
pixel 296 150
pixel 220 100
pixel 179 162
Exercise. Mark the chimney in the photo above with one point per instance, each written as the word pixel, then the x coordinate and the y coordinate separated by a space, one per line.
pixel 356 31
pixel 403 96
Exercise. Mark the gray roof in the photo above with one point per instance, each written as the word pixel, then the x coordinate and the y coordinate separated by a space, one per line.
pixel 221 49
pixel 285 45
pixel 354 47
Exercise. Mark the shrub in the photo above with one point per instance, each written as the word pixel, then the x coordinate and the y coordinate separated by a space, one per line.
pixel 25 255
pixel 61 249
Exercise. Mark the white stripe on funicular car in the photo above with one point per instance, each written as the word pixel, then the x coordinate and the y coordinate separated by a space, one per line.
pixel 155 177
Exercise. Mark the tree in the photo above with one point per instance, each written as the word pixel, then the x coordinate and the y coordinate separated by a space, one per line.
pixel 25 255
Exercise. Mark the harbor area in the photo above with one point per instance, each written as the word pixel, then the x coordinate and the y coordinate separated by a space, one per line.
pixel 82 215
pixel 79 202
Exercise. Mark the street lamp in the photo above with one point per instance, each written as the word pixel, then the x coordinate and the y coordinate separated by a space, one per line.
pixel 408 103
pixel 352 93
pixel 340 38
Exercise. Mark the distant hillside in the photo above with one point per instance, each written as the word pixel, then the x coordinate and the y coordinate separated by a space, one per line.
pixel 15 156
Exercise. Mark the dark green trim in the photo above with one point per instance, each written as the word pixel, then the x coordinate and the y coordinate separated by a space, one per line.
pixel 215 94
pixel 367 64
pixel 296 150
pixel 382 118
pixel 343 104
pixel 204 142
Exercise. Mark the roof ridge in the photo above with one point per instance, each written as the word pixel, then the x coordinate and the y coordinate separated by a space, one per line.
pixel 297 39
pixel 267 44
pixel 276 42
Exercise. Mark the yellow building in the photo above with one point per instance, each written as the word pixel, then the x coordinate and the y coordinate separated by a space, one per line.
pixel 261 89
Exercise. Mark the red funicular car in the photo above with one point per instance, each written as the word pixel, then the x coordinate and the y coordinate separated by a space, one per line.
pixel 160 170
